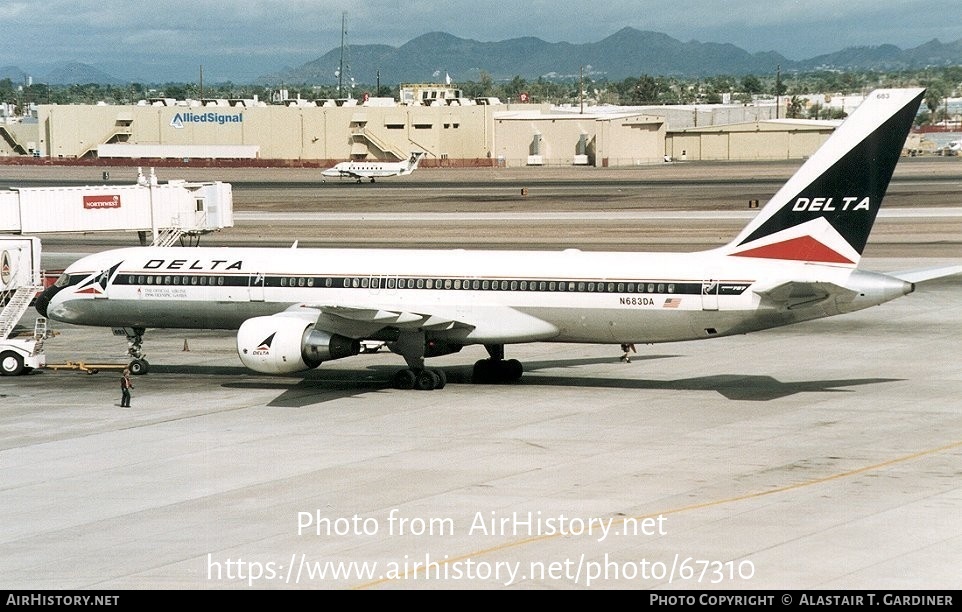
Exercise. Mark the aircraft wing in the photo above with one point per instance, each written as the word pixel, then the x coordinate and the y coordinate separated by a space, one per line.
pixel 799 294
pixel 363 321
pixel 480 324
pixel 340 172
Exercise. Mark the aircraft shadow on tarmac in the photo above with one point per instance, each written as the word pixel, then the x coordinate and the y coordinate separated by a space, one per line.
pixel 321 385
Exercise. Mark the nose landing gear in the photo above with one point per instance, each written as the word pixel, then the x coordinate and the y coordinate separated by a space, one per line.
pixel 135 341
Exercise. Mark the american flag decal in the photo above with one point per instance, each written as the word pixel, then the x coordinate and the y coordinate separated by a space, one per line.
pixel 671 303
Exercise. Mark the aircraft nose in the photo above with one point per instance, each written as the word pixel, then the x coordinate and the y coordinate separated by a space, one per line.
pixel 44 300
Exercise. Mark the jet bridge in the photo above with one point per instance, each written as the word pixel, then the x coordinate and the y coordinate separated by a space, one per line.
pixel 171 210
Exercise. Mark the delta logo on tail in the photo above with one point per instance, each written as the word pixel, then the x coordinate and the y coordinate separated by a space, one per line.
pixel 825 212
pixel 97 283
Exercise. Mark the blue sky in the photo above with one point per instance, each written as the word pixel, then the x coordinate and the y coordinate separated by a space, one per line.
pixel 242 39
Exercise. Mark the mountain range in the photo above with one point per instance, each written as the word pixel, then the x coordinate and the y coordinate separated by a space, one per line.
pixel 626 53
pixel 64 73
pixel 629 52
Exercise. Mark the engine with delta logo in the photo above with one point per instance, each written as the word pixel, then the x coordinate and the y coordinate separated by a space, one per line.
pixel 279 344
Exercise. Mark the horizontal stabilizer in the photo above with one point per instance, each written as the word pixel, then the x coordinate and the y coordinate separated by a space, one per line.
pixel 924 274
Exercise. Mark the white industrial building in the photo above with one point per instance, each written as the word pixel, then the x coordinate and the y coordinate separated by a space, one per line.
pixel 451 131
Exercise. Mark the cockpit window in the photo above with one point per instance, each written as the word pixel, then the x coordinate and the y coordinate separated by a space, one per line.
pixel 62 281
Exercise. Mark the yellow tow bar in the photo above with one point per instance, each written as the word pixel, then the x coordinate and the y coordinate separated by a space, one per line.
pixel 86 367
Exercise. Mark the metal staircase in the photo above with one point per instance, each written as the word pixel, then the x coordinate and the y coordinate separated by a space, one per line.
pixel 120 132
pixel 14 309
pixel 363 134
pixel 11 140
pixel 19 354
pixel 175 233
pixel 168 237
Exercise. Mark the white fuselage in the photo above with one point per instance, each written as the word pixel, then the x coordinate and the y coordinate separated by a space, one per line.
pixel 470 296
pixel 366 169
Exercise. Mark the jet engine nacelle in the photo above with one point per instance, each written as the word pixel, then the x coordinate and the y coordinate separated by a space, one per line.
pixel 282 345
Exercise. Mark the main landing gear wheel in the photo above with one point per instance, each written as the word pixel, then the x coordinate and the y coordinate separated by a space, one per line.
pixel 425 380
pixel 411 345
pixel 488 371
pixel 404 379
pixel 138 367
pixel 11 364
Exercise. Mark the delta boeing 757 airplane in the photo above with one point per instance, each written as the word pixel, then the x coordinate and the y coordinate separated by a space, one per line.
pixel 295 308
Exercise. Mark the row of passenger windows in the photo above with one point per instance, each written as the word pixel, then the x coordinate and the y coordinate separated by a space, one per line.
pixel 367 282
pixel 149 279
pixel 506 285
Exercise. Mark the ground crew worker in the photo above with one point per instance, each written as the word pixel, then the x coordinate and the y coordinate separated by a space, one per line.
pixel 125 386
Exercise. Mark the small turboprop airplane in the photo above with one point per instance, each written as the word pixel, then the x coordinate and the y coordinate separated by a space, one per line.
pixel 295 308
pixel 361 170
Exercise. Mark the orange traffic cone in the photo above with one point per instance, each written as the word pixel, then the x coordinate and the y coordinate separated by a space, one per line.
pixel 186 348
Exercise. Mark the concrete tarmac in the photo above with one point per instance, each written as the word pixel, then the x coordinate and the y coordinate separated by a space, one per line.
pixel 820 456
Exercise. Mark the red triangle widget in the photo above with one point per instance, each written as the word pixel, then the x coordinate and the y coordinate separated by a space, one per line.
pixel 803 248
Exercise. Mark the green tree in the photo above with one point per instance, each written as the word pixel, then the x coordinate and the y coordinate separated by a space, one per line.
pixel 751 84
pixel 935 92
pixel 176 90
pixel 644 90
pixel 487 84
pixel 794 107
pixel 515 87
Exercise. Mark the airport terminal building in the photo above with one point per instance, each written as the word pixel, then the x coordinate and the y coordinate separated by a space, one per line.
pixel 454 133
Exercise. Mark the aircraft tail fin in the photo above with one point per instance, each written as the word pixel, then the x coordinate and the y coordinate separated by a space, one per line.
pixel 415 159
pixel 825 211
